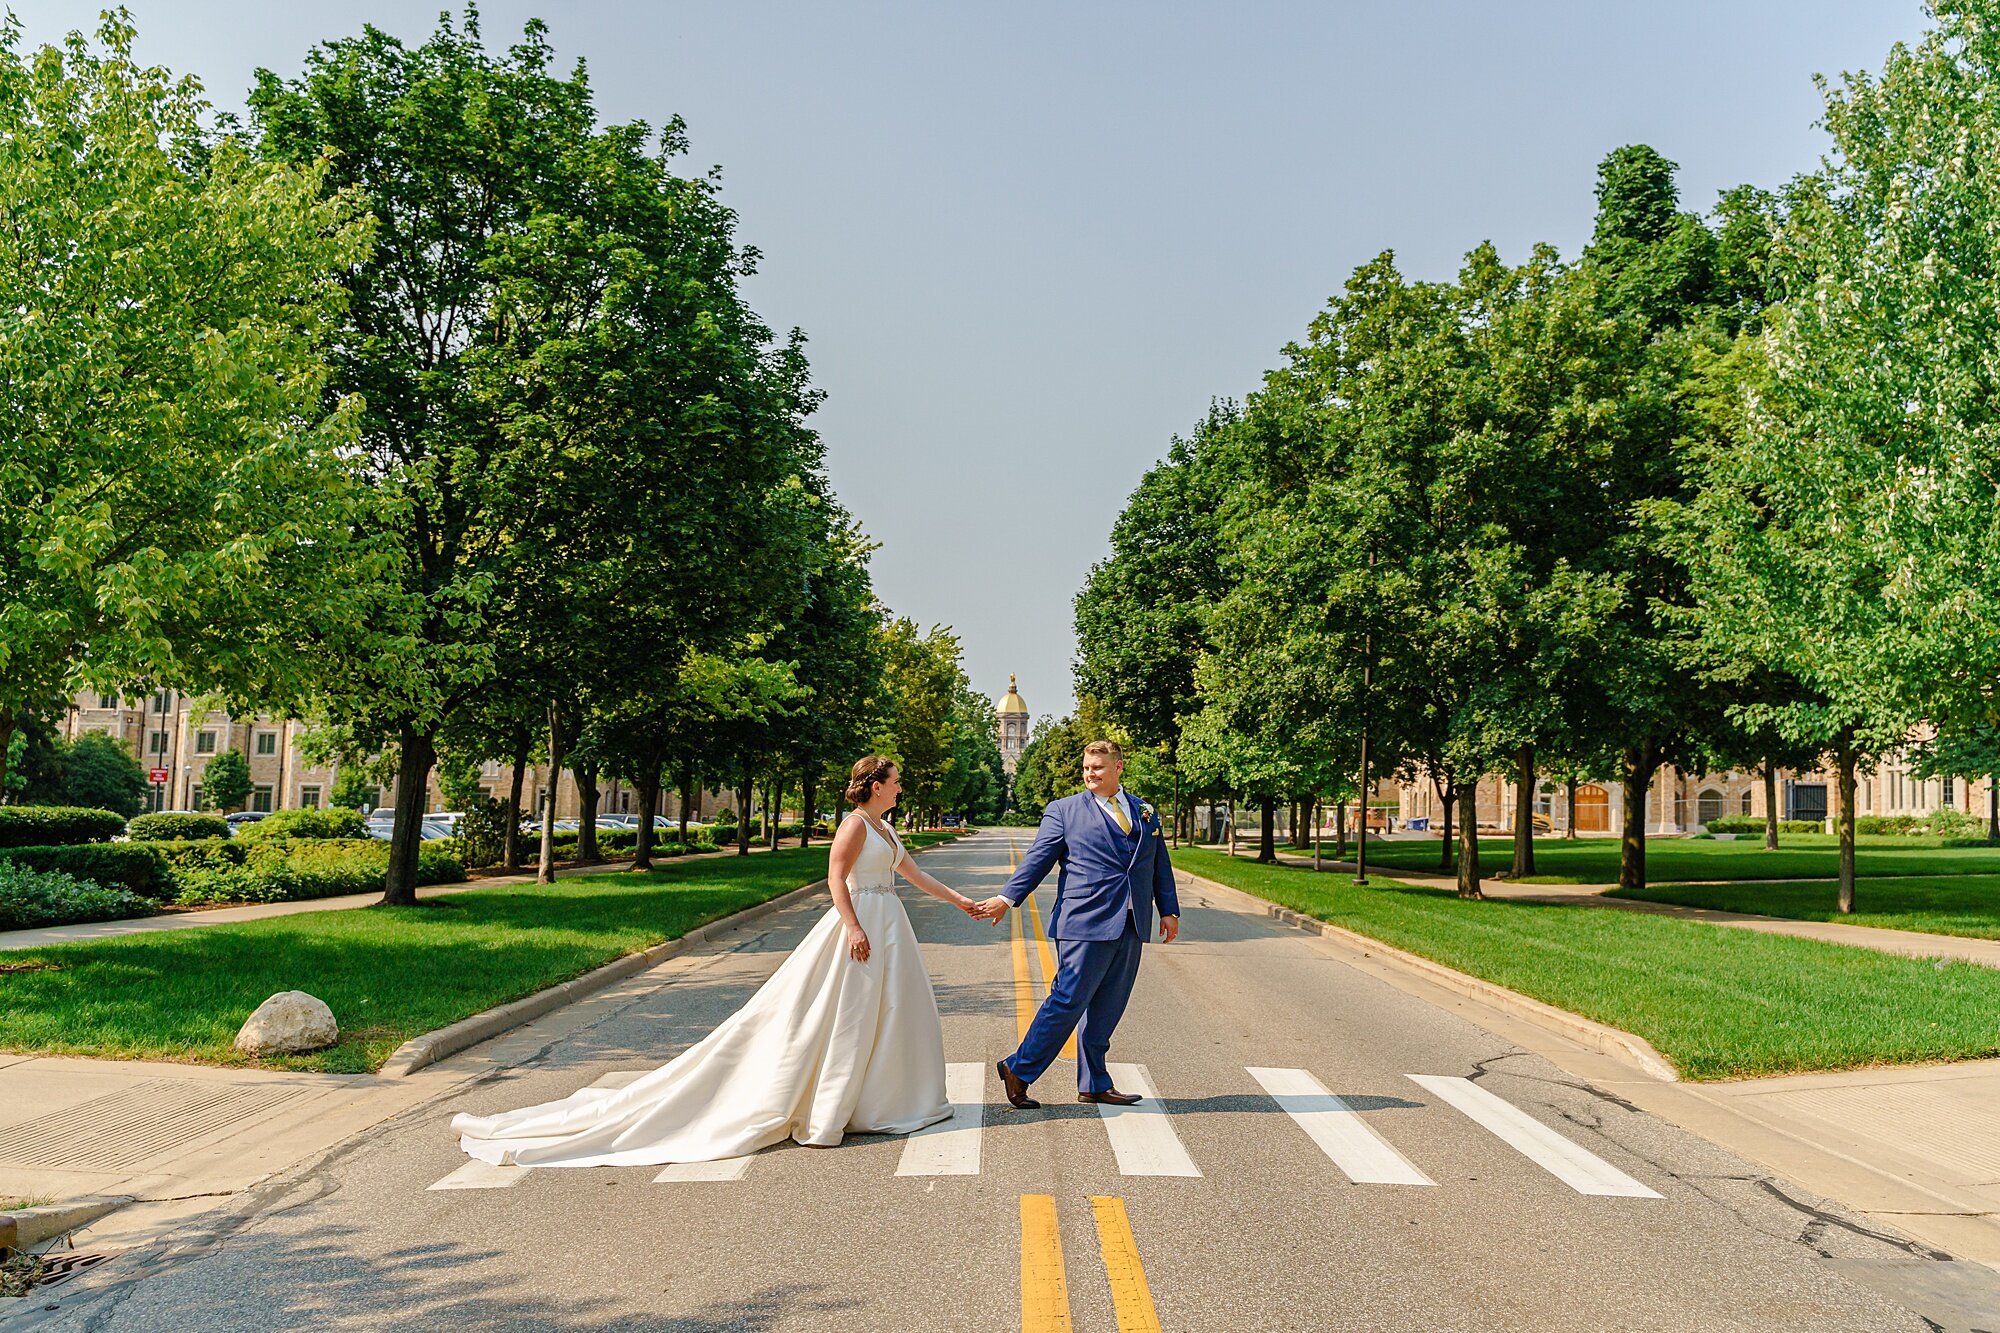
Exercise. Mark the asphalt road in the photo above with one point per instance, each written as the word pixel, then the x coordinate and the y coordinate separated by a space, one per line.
pixel 1272 1234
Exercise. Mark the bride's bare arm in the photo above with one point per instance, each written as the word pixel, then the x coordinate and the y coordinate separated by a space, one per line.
pixel 907 868
pixel 839 863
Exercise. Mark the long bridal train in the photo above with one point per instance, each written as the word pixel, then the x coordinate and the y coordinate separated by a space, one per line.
pixel 827 1046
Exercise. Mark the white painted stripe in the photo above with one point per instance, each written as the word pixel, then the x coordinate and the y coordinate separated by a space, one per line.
pixel 1363 1155
pixel 1584 1172
pixel 1142 1136
pixel 951 1147
pixel 620 1078
pixel 729 1168
pixel 478 1175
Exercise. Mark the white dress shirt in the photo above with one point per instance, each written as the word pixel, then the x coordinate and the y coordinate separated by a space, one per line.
pixel 1104 803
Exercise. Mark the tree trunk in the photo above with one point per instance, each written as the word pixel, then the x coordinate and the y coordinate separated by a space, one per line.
pixel 1844 757
pixel 1340 831
pixel 1468 851
pixel 649 806
pixel 1174 839
pixel 1993 807
pixel 1770 806
pixel 510 846
pixel 1638 764
pixel 1317 839
pixel 806 795
pixel 745 789
pixel 413 775
pixel 7 716
pixel 586 822
pixel 1447 800
pixel 1232 825
pixel 687 798
pixel 545 864
pixel 773 799
pixel 1569 816
pixel 1524 812
pixel 1267 850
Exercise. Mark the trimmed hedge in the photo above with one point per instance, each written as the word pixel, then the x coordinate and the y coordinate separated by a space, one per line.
pixel 1755 824
pixel 293 869
pixel 57 825
pixel 336 821
pixel 136 867
pixel 166 827
pixel 30 898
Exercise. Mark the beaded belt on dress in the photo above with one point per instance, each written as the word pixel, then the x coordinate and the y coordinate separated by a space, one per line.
pixel 871 888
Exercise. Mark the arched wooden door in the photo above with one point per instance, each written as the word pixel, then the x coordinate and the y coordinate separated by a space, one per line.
pixel 1593 809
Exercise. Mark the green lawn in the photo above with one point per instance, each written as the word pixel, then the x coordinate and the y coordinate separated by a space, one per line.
pixel 1717 1002
pixel 1799 856
pixel 1942 905
pixel 389 974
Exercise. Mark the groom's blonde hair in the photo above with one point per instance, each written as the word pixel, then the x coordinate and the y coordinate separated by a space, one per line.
pixel 1110 749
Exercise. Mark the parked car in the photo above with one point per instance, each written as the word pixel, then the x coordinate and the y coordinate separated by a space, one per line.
pixel 242 819
pixel 628 822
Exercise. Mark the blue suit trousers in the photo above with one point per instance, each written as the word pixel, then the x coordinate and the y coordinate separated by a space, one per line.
pixel 1092 983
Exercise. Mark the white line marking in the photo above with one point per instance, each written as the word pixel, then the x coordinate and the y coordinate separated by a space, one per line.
pixel 951 1147
pixel 1363 1155
pixel 729 1168
pixel 1584 1172
pixel 1142 1136
pixel 477 1175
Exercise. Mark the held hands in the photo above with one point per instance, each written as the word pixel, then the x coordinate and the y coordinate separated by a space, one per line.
pixel 989 910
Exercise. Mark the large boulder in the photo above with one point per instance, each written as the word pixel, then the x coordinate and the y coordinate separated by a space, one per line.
pixel 288 1022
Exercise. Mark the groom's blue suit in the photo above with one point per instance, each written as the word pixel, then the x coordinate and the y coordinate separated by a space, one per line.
pixel 1105 896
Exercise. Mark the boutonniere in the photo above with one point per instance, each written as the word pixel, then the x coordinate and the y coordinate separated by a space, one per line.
pixel 1146 811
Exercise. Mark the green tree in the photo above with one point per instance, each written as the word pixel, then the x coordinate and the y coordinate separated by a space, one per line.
pixel 102 772
pixel 921 678
pixel 177 498
pixel 225 781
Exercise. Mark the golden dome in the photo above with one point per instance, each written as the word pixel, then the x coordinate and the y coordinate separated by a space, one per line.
pixel 1011 702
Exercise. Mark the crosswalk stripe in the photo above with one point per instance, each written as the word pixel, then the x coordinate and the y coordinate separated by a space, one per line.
pixel 1142 1136
pixel 477 1175
pixel 951 1147
pixel 1363 1155
pixel 1582 1171
pixel 728 1168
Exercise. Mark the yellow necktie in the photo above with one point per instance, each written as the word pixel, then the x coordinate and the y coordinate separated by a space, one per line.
pixel 1118 813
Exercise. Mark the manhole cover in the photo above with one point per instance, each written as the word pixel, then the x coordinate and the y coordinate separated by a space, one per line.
pixel 60 1268
pixel 127 1127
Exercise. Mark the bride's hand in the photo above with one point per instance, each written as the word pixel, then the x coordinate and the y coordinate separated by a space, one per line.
pixel 857 944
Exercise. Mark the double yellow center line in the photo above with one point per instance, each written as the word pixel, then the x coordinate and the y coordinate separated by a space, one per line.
pixel 1044 1288
pixel 1026 997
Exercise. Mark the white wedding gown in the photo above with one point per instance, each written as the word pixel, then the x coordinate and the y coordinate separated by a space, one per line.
pixel 826 1047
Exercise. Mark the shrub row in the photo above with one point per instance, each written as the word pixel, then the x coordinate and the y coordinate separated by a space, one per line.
pixel 168 827
pixel 30 898
pixel 56 825
pixel 294 869
pixel 1755 824
pixel 336 821
pixel 134 867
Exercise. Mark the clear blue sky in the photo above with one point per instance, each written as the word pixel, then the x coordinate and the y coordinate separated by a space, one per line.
pixel 1029 242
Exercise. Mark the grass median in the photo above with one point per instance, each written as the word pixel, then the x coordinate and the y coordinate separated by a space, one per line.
pixel 388 973
pixel 1800 856
pixel 1966 905
pixel 1716 1001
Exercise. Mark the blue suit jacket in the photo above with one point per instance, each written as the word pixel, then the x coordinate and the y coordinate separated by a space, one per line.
pixel 1104 873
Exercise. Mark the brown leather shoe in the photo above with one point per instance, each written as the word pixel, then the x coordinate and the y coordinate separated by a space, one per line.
pixel 1110 1097
pixel 1017 1091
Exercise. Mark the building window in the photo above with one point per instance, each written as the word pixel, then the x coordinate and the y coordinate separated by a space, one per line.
pixel 1708 806
pixel 267 742
pixel 1746 802
pixel 260 799
pixel 1950 793
pixel 204 742
pixel 309 798
pixel 107 701
pixel 156 796
pixel 194 798
pixel 159 743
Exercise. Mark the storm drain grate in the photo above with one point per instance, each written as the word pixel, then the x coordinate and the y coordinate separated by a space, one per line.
pixel 60 1268
pixel 127 1127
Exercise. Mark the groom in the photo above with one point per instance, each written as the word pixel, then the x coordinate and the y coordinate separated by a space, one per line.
pixel 1114 871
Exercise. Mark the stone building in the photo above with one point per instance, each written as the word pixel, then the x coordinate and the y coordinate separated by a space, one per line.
pixel 1012 714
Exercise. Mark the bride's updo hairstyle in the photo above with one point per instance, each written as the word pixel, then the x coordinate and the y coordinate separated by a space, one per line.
pixel 868 774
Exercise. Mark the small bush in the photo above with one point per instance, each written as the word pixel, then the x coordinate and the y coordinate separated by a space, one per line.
pixel 1954 824
pixel 31 898
pixel 1755 824
pixel 333 822
pixel 136 867
pixel 724 816
pixel 176 828
pixel 1875 824
pixel 56 825
pixel 197 854
pixel 482 831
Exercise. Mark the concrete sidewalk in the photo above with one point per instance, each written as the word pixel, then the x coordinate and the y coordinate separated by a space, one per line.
pixel 1908 943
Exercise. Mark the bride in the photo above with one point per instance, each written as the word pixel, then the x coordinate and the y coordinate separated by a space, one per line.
pixel 843 1038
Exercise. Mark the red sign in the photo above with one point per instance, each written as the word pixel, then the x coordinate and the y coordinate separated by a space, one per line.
pixel 156 775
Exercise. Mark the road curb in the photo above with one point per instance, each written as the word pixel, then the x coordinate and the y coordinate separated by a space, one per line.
pixel 22 1227
pixel 431 1047
pixel 1623 1046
